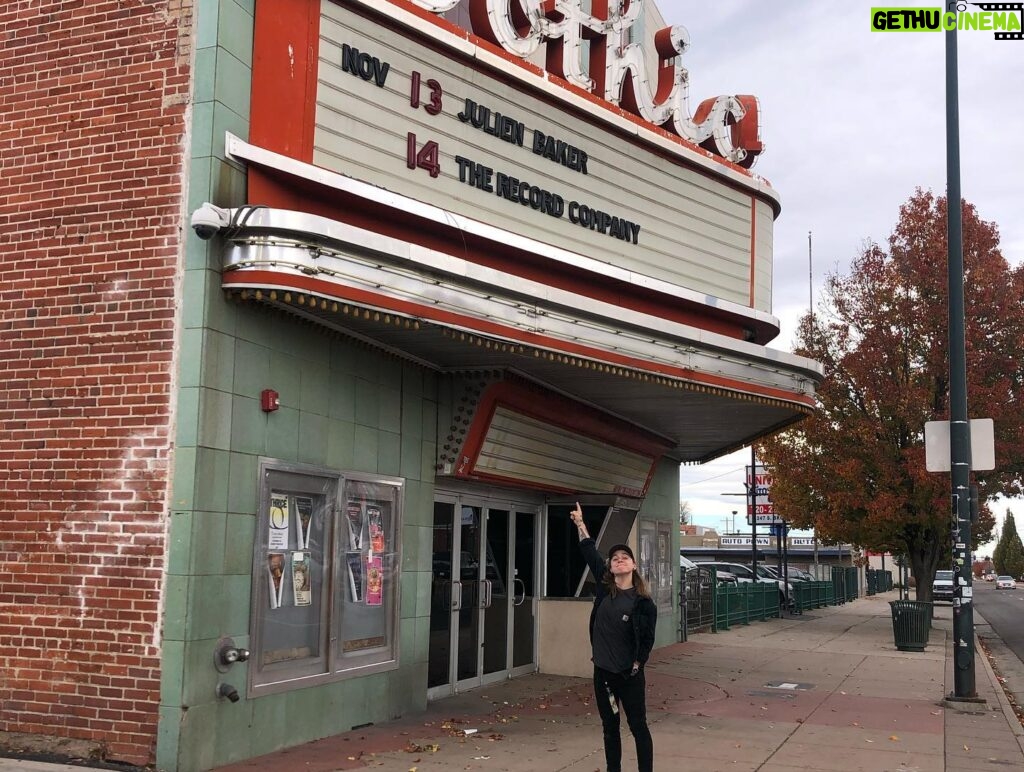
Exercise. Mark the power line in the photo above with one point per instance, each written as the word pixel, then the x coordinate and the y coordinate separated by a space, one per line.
pixel 709 479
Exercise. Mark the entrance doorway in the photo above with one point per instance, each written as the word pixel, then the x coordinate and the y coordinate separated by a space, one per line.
pixel 483 593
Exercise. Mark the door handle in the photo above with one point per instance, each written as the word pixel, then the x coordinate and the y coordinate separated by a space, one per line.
pixel 485 593
pixel 518 601
pixel 456 601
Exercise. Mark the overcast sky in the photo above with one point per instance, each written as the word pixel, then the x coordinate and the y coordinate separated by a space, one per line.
pixel 852 121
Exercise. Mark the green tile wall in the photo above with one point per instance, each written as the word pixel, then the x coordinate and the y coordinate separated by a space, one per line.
pixel 344 406
pixel 662 503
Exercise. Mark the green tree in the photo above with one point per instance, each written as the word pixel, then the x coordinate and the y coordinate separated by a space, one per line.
pixel 1009 553
pixel 855 469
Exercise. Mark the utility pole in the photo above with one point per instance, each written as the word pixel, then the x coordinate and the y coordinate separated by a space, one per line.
pixel 959 427
pixel 752 509
pixel 810 311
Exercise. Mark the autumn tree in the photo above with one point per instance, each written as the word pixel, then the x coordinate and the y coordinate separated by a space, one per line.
pixel 855 469
pixel 1009 552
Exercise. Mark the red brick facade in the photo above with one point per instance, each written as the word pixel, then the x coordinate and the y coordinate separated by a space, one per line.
pixel 93 99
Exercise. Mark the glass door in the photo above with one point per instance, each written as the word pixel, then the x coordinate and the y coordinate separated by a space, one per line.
pixel 470 607
pixel 497 605
pixel 444 591
pixel 482 603
pixel 524 598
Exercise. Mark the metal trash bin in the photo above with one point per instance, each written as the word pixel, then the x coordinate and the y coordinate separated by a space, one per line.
pixel 911 623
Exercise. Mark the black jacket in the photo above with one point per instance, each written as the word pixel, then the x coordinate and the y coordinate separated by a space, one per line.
pixel 645 613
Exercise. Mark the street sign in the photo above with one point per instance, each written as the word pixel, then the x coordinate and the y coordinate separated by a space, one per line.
pixel 764 509
pixel 936 445
pixel 742 541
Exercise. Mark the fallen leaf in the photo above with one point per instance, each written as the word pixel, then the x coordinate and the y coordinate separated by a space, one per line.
pixel 894 738
pixel 966 748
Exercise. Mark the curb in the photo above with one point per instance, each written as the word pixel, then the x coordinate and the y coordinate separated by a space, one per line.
pixel 997 687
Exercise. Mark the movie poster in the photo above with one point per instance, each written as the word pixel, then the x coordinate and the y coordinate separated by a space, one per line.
pixel 374 580
pixel 375 521
pixel 277 537
pixel 355 576
pixel 301 584
pixel 275 576
pixel 303 519
pixel 354 518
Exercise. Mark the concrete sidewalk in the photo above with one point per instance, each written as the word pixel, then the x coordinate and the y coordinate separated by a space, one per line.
pixel 823 691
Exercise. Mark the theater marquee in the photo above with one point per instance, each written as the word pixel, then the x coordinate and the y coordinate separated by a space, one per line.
pixel 400 98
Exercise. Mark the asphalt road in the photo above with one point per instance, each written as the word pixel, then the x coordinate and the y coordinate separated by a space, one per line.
pixel 1004 610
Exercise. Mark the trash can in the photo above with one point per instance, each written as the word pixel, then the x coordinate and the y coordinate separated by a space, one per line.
pixel 911 623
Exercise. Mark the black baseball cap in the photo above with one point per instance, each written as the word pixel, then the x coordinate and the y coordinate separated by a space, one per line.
pixel 621 548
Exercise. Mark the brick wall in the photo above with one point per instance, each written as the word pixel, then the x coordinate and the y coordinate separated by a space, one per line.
pixel 93 98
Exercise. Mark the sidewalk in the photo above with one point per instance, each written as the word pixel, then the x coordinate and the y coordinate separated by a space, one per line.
pixel 824 691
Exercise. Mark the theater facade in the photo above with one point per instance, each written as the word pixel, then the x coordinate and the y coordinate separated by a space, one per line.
pixel 446 268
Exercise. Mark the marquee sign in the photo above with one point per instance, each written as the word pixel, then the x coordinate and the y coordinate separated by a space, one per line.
pixel 415 111
pixel 725 125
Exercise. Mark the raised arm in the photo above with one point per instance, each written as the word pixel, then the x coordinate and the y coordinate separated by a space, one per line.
pixel 587 545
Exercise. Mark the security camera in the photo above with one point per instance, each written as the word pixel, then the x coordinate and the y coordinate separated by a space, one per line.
pixel 208 219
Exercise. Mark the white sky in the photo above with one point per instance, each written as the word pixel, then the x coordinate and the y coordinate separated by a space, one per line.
pixel 852 121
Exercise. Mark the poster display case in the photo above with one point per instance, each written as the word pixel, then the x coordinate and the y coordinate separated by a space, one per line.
pixel 325 576
pixel 655 561
pixel 368 589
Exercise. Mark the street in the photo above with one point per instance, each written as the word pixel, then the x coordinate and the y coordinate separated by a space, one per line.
pixel 1004 610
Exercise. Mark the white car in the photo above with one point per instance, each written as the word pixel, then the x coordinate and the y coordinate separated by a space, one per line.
pixel 1005 583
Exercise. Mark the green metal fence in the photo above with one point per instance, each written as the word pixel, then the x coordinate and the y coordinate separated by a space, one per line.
pixel 745 603
pixel 811 595
pixel 750 602
pixel 844 583
pixel 877 581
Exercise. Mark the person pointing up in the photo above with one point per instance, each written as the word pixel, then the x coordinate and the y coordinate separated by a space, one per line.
pixel 622 624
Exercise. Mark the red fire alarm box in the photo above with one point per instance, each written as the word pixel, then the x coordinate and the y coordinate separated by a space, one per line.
pixel 269 401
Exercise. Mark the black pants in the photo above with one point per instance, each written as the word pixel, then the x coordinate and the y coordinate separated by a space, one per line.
pixel 631 696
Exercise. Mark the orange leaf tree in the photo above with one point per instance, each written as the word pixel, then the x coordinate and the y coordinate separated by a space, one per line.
pixel 855 470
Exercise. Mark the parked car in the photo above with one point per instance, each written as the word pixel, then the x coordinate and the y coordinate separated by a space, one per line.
pixel 771 573
pixel 745 574
pixel 723 577
pixel 1005 583
pixel 799 575
pixel 942 587
pixel 990 577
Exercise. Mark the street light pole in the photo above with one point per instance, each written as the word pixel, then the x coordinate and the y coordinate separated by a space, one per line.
pixel 959 428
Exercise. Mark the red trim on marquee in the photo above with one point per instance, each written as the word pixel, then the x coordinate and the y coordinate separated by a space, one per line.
pixel 559 411
pixel 279 190
pixel 314 286
pixel 286 45
pixel 753 246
